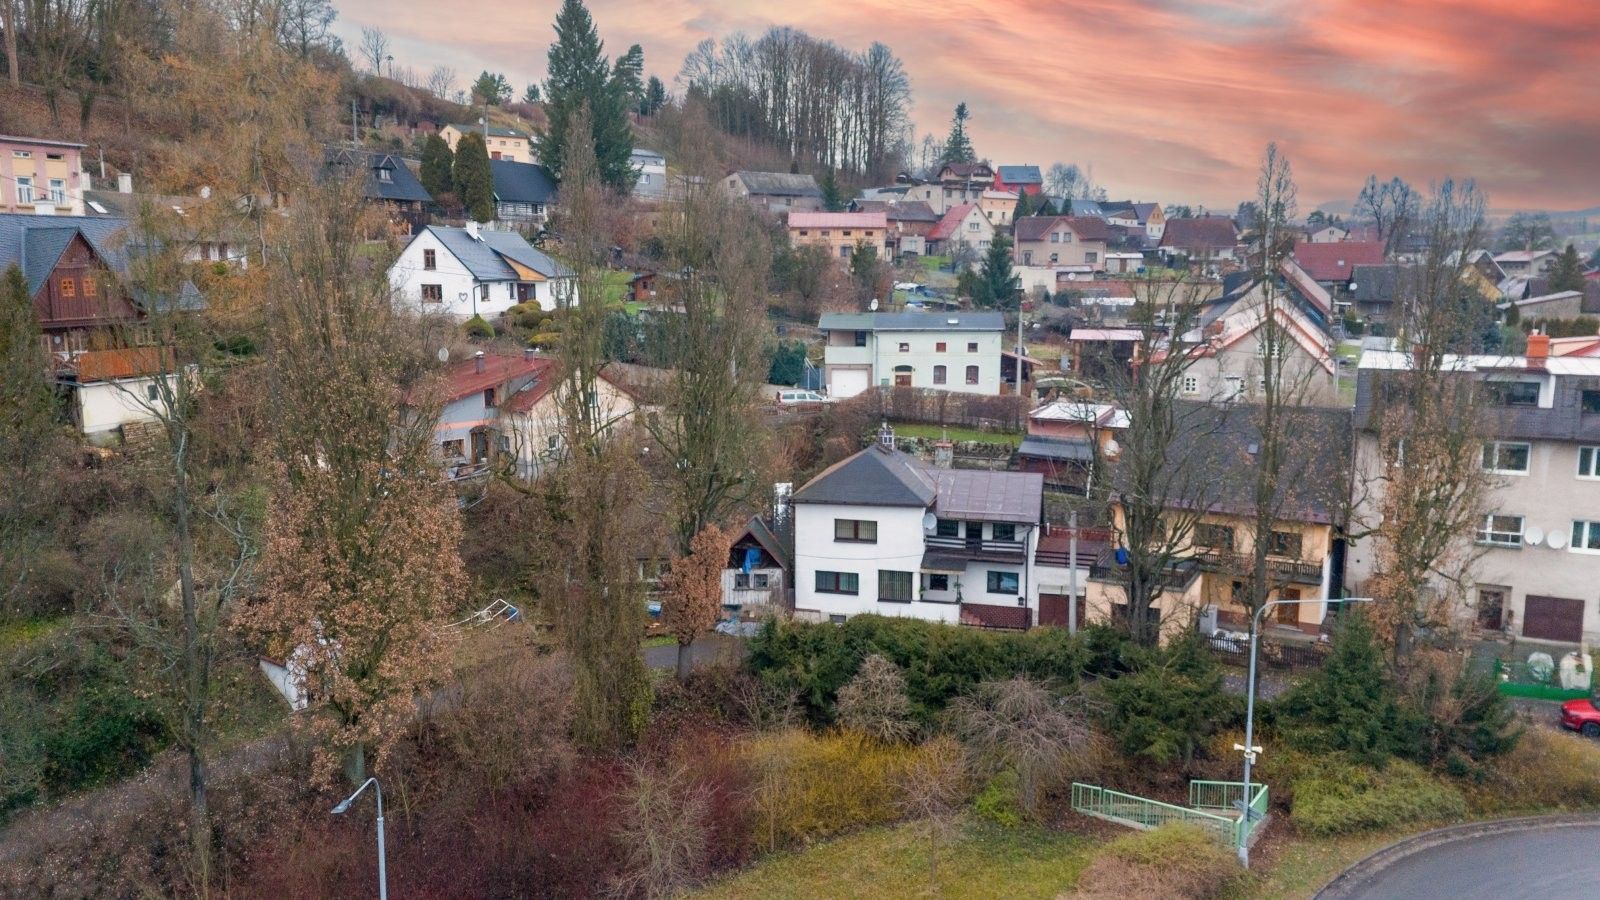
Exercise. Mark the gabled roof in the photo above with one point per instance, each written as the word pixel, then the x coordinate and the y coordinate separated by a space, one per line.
pixel 462 379
pixel 976 170
pixel 1020 175
pixel 951 221
pixel 401 186
pixel 1550 298
pixel 35 243
pixel 519 182
pixel 1038 228
pixel 877 476
pixel 1211 233
pixel 641 154
pixel 486 255
pixel 759 531
pixel 1376 284
pixel 911 211
pixel 838 220
pixel 1521 256
pixel 961 320
pixel 494 130
pixel 1335 260
pixel 988 496
pixel 779 184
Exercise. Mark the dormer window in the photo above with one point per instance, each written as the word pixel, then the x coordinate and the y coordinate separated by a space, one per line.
pixel 1513 393
pixel 385 176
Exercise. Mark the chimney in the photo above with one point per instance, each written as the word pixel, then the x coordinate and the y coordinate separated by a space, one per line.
pixel 527 353
pixel 885 437
pixel 1419 356
pixel 944 453
pixel 125 183
pixel 472 229
pixel 478 364
pixel 1538 350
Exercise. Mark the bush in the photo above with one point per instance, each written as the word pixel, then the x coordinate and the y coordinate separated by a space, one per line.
pixel 1171 705
pixel 476 327
pixel 1343 799
pixel 810 786
pixel 1546 770
pixel 1179 860
pixel 1349 705
pixel 874 702
pixel 1000 800
pixel 940 662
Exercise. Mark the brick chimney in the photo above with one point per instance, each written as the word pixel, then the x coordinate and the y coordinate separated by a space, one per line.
pixel 478 364
pixel 1538 350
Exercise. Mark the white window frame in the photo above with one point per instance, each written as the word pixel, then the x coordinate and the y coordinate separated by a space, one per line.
pixel 1594 463
pixel 58 190
pixel 1498 445
pixel 1491 536
pixel 1191 384
pixel 24 188
pixel 1584 528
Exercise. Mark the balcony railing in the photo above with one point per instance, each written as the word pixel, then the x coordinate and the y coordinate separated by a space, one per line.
pixel 1278 570
pixel 978 548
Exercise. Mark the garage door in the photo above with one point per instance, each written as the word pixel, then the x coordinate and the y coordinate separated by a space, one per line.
pixel 848 383
pixel 1053 610
pixel 1553 619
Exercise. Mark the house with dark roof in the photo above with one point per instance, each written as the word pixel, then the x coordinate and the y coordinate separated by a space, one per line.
pixel 909 222
pixel 502 142
pixel 775 192
pixel 1332 264
pixel 651 183
pixel 1074 242
pixel 386 180
pixel 523 192
pixel 476 272
pixel 1147 217
pixel 1374 289
pixel 760 567
pixel 1019 179
pixel 883 532
pixel 1201 241
pixel 958 351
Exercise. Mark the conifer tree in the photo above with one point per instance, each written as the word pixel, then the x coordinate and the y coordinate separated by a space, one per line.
pixel 29 437
pixel 438 163
pixel 655 97
pixel 957 146
pixel 580 75
pixel 474 182
pixel 1567 273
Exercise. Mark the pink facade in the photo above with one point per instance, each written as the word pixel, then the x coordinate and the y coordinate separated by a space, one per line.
pixel 39 176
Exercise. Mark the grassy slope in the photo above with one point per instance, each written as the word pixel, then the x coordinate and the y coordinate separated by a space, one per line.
pixel 957 434
pixel 986 862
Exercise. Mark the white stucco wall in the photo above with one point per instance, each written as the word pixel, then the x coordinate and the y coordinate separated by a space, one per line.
pixel 106 406
pixel 899 548
pixel 884 355
pixel 407 276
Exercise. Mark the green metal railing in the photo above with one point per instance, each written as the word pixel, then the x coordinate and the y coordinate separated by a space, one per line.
pixel 1204 797
pixel 1518 679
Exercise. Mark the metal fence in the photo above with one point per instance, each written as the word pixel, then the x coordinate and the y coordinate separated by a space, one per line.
pixel 1213 805
pixel 1518 679
pixel 1271 654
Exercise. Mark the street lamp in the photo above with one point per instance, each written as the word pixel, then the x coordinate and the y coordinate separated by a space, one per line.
pixel 1249 748
pixel 383 869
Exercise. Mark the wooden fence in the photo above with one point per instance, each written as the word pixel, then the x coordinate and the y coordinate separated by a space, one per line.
pixel 934 407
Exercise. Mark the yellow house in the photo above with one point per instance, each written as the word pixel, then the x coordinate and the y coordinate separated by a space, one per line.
pixel 1211 521
pixel 504 143
pixel 840 233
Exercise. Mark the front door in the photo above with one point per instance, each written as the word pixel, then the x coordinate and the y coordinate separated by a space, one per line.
pixel 1491 608
pixel 1288 613
pixel 480 445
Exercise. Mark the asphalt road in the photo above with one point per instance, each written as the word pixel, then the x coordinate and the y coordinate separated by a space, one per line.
pixel 703 650
pixel 1555 860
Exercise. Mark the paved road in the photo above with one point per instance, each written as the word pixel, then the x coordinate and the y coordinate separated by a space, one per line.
pixel 704 650
pixel 1554 857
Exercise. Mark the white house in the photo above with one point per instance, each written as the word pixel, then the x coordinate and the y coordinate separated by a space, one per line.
pixel 881 532
pixel 957 351
pixel 468 272
pixel 652 169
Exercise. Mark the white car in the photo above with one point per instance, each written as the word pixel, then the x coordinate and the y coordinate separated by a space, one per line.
pixel 789 398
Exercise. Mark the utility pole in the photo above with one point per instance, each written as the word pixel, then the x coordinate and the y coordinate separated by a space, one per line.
pixel 355 134
pixel 1072 572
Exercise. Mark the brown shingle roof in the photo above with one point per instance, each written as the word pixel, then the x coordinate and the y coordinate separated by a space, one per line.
pixel 1211 233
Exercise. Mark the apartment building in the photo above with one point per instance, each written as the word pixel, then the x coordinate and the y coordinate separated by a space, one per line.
pixel 958 351
pixel 41 177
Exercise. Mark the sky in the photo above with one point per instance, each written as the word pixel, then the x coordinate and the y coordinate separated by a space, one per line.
pixel 1169 101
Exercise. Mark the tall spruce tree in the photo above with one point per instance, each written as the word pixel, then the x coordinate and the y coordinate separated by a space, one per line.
pixel 995 285
pixel 629 75
pixel 655 97
pixel 30 442
pixel 438 164
pixel 474 182
pixel 579 74
pixel 957 146
pixel 1567 273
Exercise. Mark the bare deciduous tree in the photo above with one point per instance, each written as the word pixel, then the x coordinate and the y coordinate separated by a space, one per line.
pixel 374 48
pixel 932 792
pixel 874 702
pixel 1022 726
pixel 1392 206
pixel 664 831
pixel 441 81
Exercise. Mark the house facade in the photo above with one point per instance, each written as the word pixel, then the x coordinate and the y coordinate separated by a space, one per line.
pixel 467 272
pixel 963 224
pixel 1538 547
pixel 387 182
pixel 775 192
pixel 840 233
pixel 998 206
pixel 1061 241
pixel 524 193
pixel 1525 262
pixel 41 177
pixel 652 169
pixel 1019 179
pixel 1203 242
pixel 1066 441
pixel 503 143
pixel 958 351
pixel 881 532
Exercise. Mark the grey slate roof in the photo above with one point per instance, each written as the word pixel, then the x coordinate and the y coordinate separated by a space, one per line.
pixel 1563 421
pixel 35 244
pixel 1376 284
pixel 483 258
pixel 401 186
pixel 494 130
pixel 1056 448
pixel 877 476
pixel 520 182
pixel 962 320
pixel 1020 174
pixel 779 184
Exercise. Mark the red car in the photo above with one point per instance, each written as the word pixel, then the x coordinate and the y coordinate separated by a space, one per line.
pixel 1581 715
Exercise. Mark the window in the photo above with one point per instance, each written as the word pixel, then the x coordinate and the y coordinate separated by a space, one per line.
pixel 1055 237
pixel 68 287
pixel 855 531
pixel 838 583
pixel 1066 237
pixel 1591 401
pixel 152 393
pixel 844 252
pixel 804 232
pixel 947 528
pixel 1216 537
pixel 1503 531
pixel 826 233
pixel 972 226
pixel 24 189
pixel 1506 458
pixel 1283 543
pixel 1004 531
pixel 55 156
pixel 433 293
pixel 1055 258
pixel 847 232
pixel 938 374
pixel 836 619
pixel 972 374
pixel 933 582
pixel 88 287
pixel 385 176
pixel 905 347
pixel 1586 536
pixel 741 581
pixel 58 190
pixel 1589 462
pixel 489 398
pixel 1513 393
pixel 553 442
pixel 454 449
pixel 1003 582
pixel 894 587
pixel 861 339
pixel 1091 255
pixel 972 347
pixel 22 154
pixel 430 260
pixel 939 347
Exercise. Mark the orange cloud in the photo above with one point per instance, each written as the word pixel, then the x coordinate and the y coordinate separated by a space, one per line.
pixel 1168 100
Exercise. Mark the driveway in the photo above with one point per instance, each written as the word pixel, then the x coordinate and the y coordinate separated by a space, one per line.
pixel 1546 856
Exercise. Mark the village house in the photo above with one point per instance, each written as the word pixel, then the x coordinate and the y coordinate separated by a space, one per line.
pixel 840 233
pixel 1525 262
pixel 1102 355
pixel 957 184
pixel 775 192
pixel 524 193
pixel 1203 242
pixel 760 567
pixel 964 224
pixel 909 221
pixel 41 177
pixel 503 143
pixel 1557 306
pixel 1147 218
pixel 652 169
pixel 1073 242
pixel 958 351
pixel 1019 179
pixel 998 206
pixel 1332 265
pixel 472 272
pixel 1066 440
pixel 882 532
pixel 1540 535
pixel 209 230
pixel 386 181
pixel 1327 234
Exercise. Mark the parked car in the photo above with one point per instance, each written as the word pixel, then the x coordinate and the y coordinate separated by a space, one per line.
pixel 794 397
pixel 1581 715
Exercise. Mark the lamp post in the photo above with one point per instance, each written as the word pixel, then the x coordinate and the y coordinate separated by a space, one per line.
pixel 383 870
pixel 1249 749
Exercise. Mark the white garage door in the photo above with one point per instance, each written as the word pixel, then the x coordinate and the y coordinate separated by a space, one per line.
pixel 847 383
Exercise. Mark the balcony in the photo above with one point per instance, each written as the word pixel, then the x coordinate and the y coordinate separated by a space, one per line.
pixel 977 549
pixel 847 355
pixel 1287 571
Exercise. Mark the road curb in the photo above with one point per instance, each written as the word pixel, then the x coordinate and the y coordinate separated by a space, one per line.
pixel 1356 881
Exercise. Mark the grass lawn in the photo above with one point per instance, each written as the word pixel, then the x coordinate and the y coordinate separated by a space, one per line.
pixel 985 862
pixel 659 640
pixel 958 434
pixel 26 631
pixel 934 263
pixel 614 285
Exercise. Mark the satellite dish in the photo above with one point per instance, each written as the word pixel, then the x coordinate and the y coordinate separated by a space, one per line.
pixel 1533 535
pixel 444 354
pixel 873 306
pixel 929 522
pixel 1557 539
pixel 1113 448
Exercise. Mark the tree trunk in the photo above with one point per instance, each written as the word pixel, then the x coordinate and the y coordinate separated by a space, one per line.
pixel 684 659
pixel 199 820
pixel 355 764
pixel 195 661
pixel 9 9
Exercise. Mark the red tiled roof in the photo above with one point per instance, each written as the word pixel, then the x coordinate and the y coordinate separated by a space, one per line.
pixel 463 379
pixel 1334 261
pixel 127 362
pixel 990 615
pixel 951 221
pixel 1207 233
